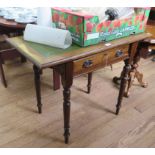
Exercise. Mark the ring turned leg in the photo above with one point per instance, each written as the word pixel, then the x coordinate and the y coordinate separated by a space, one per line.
pixel 89 82
pixel 67 80
pixel 66 110
pixel 37 87
pixel 124 79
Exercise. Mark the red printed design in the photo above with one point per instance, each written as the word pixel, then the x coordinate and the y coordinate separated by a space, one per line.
pixel 99 27
pixel 89 26
pixel 117 23
pixel 56 17
pixel 79 21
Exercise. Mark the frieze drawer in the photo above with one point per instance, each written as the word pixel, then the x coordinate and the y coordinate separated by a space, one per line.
pixel 118 53
pixel 99 60
pixel 88 64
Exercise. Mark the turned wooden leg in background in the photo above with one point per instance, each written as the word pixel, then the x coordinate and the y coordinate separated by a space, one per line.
pixel 56 80
pixel 37 87
pixel 139 77
pixel 129 84
pixel 2 76
pixel 89 82
pixel 67 80
pixel 134 74
pixel 23 59
pixel 124 79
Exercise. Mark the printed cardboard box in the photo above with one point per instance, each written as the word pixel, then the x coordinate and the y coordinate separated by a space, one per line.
pixel 88 30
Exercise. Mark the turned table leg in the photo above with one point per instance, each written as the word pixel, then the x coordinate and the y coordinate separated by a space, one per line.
pixel 89 82
pixel 133 73
pixel 124 79
pixel 67 80
pixel 2 73
pixel 37 73
pixel 66 111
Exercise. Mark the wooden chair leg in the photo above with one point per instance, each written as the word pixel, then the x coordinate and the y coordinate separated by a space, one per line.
pixel 2 74
pixel 89 82
pixel 56 80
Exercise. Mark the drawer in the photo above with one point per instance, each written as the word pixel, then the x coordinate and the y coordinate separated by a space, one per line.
pixel 100 60
pixel 118 53
pixel 88 64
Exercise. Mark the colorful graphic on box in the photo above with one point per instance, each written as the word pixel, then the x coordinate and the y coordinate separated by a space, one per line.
pixel 87 29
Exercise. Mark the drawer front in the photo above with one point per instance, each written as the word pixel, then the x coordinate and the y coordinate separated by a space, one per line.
pixel 88 64
pixel 100 60
pixel 118 53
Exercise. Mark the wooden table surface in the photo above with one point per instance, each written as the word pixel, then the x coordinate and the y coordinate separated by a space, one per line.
pixel 46 56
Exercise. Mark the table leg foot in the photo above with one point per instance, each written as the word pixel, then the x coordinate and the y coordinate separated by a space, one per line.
pixel 126 94
pixel 39 109
pixel 139 77
pixel 66 135
pixel 117 110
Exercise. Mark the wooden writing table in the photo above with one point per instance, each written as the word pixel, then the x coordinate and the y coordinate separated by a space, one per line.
pixel 76 61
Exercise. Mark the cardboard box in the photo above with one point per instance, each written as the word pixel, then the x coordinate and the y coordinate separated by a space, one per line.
pixel 88 30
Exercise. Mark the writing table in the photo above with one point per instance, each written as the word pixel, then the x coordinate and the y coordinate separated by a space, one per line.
pixel 78 60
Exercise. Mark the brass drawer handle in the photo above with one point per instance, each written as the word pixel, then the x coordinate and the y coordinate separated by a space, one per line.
pixel 119 53
pixel 87 64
